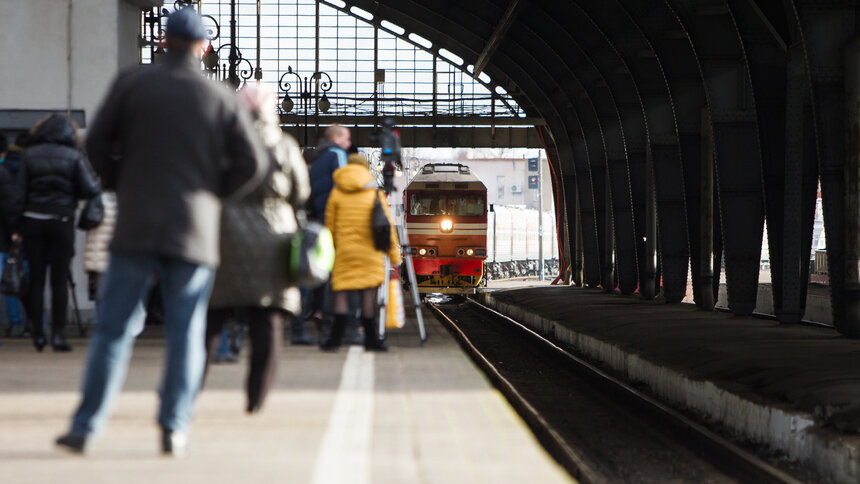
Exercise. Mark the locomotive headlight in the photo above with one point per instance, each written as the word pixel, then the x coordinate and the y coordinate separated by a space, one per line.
pixel 469 252
pixel 446 226
pixel 422 251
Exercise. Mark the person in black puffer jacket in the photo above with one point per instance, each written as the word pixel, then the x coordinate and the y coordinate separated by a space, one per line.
pixel 52 179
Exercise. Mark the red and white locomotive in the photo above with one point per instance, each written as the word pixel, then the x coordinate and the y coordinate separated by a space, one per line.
pixel 445 207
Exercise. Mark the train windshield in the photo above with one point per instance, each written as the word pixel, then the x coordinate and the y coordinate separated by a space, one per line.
pixel 442 204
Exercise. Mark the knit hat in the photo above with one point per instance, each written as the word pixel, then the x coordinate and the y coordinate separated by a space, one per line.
pixel 357 159
pixel 186 24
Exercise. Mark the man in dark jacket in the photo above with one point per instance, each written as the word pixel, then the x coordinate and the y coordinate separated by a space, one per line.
pixel 329 156
pixel 172 144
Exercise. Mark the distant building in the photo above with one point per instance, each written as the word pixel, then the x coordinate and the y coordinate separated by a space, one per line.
pixel 507 179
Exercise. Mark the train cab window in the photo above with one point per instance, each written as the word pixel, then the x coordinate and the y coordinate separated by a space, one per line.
pixel 453 204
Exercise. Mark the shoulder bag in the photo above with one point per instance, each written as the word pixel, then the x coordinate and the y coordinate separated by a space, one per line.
pixel 13 281
pixel 380 227
pixel 92 214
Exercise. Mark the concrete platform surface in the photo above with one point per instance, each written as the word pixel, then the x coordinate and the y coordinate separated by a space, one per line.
pixel 795 389
pixel 412 415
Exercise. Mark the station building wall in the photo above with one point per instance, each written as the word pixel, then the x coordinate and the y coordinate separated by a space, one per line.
pixel 61 55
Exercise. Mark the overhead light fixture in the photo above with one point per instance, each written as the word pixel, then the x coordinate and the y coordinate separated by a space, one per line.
pixel 287 104
pixel 324 104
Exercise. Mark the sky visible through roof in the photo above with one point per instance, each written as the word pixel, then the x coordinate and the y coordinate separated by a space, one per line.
pixel 346 53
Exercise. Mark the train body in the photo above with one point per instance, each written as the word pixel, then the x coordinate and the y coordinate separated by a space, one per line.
pixel 513 244
pixel 445 210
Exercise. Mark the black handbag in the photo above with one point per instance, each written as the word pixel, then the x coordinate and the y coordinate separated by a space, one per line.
pixel 92 214
pixel 380 226
pixel 13 281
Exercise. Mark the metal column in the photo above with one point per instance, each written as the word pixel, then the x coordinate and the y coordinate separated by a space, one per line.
pixel 851 326
pixel 706 297
pixel 540 218
pixel 648 289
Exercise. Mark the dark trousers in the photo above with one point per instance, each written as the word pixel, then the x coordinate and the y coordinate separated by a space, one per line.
pixel 265 330
pixel 318 298
pixel 48 243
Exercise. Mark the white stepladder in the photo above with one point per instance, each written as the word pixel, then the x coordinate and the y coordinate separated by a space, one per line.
pixel 403 236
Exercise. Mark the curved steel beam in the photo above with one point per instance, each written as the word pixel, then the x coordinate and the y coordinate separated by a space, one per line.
pixel 737 154
pixel 652 130
pixel 601 86
pixel 675 148
pixel 589 107
pixel 825 30
pixel 790 178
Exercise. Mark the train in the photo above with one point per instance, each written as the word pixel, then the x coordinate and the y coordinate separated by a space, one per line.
pixel 458 241
pixel 512 242
pixel 445 212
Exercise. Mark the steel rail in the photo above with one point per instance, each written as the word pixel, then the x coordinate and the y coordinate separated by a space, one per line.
pixel 721 452
pixel 555 444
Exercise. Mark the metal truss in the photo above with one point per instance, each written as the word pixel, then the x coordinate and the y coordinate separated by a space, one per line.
pixel 334 62
pixel 675 127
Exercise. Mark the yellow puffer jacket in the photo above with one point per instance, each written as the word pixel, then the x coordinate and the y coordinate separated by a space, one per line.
pixel 357 263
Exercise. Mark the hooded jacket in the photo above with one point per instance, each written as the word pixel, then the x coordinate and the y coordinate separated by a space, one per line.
pixel 53 176
pixel 325 160
pixel 357 263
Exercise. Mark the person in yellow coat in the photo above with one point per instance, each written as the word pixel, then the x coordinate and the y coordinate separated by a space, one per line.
pixel 358 266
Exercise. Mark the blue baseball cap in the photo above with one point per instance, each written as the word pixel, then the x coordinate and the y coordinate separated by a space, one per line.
pixel 186 24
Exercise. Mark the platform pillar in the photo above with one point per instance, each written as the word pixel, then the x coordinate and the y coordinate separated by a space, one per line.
pixel 706 219
pixel 648 289
pixel 852 190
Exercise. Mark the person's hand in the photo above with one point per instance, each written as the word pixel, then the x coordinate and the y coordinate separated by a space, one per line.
pixel 16 238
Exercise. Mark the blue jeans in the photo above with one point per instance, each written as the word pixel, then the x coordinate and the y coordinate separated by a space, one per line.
pixel 124 289
pixel 13 305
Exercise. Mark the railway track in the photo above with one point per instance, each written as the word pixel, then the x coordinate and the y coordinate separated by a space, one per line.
pixel 599 428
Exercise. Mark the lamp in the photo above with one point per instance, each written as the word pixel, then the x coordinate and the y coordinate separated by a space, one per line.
pixel 324 104
pixel 287 104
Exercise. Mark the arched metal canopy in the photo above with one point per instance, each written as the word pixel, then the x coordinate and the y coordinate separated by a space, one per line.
pixel 675 128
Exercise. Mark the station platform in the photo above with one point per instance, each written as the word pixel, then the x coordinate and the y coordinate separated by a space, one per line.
pixel 794 390
pixel 414 414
